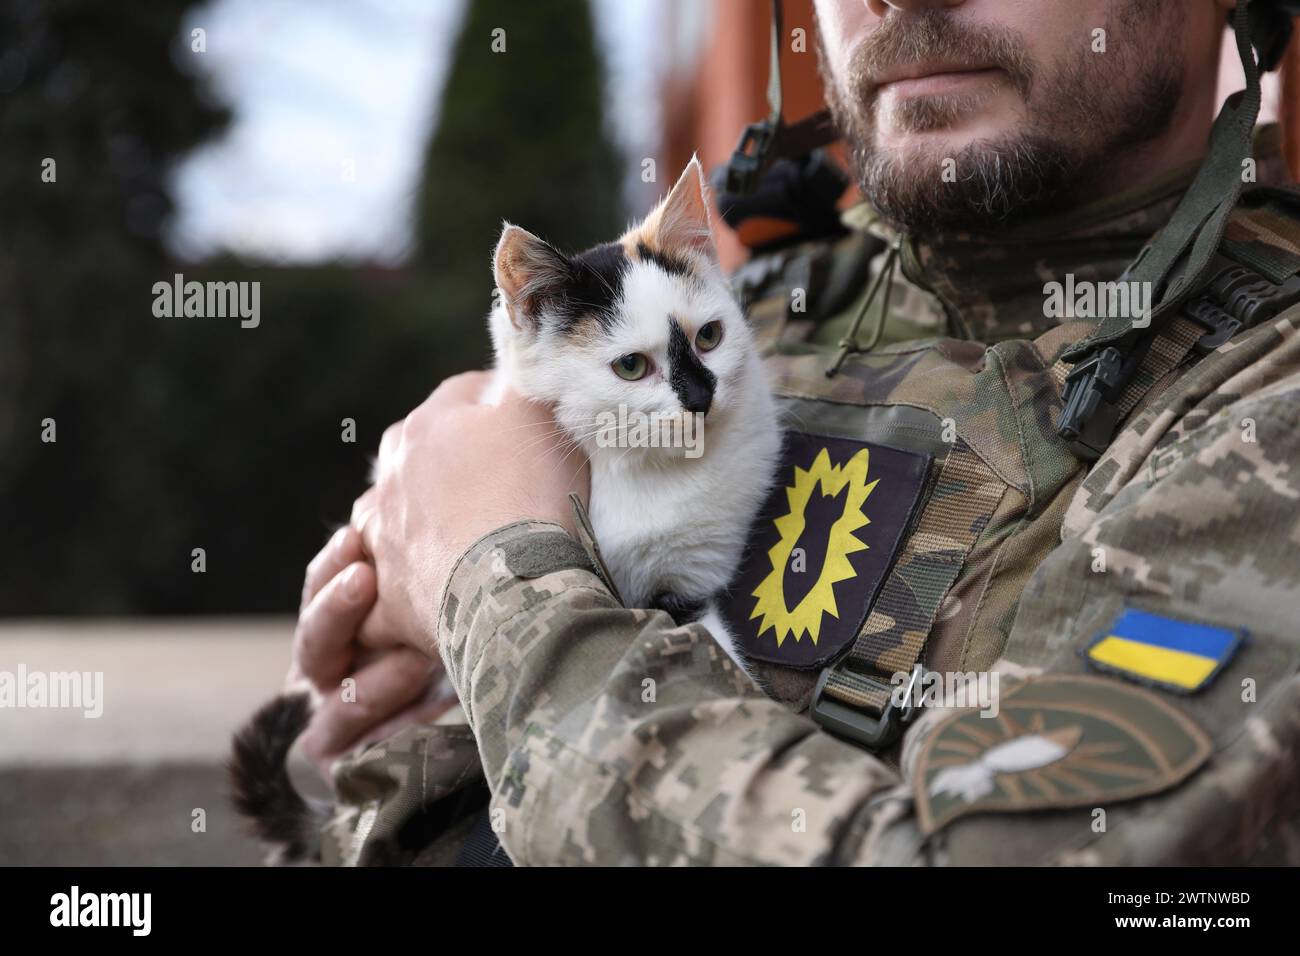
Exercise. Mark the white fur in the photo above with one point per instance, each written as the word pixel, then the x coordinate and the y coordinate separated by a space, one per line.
pixel 664 521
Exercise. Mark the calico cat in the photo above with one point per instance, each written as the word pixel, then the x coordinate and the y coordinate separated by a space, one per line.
pixel 646 329
pixel 640 330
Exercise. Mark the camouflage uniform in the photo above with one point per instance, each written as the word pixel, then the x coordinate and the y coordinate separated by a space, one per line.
pixel 610 736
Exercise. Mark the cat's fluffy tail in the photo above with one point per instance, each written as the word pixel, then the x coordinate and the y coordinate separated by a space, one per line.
pixel 262 791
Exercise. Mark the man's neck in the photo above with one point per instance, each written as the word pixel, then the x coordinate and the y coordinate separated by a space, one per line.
pixel 1181 146
pixel 992 286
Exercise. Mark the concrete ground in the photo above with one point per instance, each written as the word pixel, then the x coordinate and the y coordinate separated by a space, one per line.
pixel 124 788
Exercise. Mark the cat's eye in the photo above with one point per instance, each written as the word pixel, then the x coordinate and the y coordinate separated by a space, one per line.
pixel 708 337
pixel 631 367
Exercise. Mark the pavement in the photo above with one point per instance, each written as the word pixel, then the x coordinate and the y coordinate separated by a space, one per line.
pixel 143 783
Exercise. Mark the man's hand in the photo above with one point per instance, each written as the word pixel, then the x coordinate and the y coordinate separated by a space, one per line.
pixel 392 686
pixel 448 474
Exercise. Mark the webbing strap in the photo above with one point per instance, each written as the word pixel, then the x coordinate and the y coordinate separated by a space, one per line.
pixel 772 138
pixel 863 691
pixel 1264 233
pixel 1197 225
pixel 481 847
pixel 1168 349
pixel 1274 264
pixel 1113 368
pixel 774 67
pixel 965 495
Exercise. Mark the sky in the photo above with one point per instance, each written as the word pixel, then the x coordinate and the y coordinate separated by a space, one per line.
pixel 333 102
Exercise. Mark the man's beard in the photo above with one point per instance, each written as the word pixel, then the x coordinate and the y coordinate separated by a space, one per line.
pixel 1079 117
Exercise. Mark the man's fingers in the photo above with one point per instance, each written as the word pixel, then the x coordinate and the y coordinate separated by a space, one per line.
pixel 362 509
pixel 388 443
pixel 326 627
pixel 384 687
pixel 462 389
pixel 343 548
pixel 425 710
pixel 377 632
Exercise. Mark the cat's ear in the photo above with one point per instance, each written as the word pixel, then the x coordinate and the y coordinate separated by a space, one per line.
pixel 530 273
pixel 680 224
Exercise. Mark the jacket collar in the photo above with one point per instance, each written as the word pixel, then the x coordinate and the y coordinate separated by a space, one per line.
pixel 992 286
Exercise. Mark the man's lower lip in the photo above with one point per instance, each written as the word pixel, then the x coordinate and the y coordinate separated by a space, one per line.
pixel 937 83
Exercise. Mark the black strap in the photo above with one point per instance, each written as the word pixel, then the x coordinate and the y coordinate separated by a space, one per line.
pixel 1188 243
pixel 771 138
pixel 482 848
pixel 1119 362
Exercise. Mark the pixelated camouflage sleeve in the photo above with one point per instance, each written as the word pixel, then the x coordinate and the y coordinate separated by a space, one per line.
pixel 611 736
pixel 1193 511
pixel 1193 516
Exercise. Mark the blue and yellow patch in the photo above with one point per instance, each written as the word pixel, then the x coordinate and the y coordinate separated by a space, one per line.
pixel 1180 656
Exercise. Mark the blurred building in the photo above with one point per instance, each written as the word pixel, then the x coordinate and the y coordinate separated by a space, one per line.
pixel 716 82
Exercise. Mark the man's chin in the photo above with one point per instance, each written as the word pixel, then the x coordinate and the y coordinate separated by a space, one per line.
pixel 965 183
pixel 923 161
pixel 926 151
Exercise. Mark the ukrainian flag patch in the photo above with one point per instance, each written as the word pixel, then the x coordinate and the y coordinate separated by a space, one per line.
pixel 1179 656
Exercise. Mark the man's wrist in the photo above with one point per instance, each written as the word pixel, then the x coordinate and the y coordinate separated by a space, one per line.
pixel 523 550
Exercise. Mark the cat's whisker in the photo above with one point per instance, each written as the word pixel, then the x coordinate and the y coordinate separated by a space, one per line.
pixel 564 437
pixel 592 433
pixel 560 464
pixel 559 442
pixel 535 439
pixel 575 445
pixel 551 425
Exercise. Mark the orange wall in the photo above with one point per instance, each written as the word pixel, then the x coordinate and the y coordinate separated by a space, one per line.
pixel 706 111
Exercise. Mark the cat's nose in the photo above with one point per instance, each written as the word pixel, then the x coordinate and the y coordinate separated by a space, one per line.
pixel 689 377
pixel 696 398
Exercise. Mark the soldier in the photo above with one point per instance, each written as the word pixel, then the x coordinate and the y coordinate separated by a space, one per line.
pixel 1080 340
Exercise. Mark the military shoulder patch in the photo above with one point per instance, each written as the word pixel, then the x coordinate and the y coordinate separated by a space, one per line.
pixel 1163 652
pixel 820 547
pixel 1058 741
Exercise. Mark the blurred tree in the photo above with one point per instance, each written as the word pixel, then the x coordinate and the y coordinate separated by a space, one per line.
pixel 182 433
pixel 93 109
pixel 521 136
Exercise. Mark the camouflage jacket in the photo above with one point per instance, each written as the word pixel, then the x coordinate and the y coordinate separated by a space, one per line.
pixel 1139 611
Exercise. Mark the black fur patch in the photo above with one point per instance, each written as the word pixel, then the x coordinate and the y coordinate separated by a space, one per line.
pixel 683 610
pixel 263 792
pixel 688 376
pixel 671 264
pixel 593 285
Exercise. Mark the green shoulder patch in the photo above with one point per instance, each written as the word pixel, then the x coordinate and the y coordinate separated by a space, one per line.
pixel 1057 741
pixel 820 547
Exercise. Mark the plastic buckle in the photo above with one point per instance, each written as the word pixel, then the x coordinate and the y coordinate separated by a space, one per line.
pixel 1219 326
pixel 747 158
pixel 874 733
pixel 1088 418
